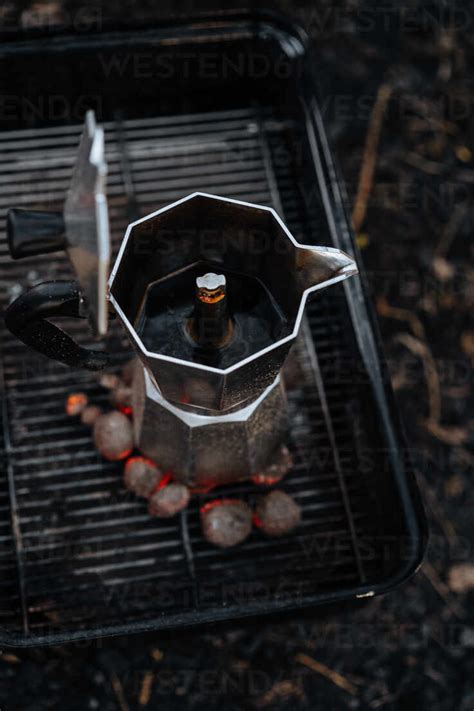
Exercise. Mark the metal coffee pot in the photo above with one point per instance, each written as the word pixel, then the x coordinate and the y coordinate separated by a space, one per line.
pixel 211 292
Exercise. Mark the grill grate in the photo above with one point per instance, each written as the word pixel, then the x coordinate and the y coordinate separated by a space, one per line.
pixel 81 552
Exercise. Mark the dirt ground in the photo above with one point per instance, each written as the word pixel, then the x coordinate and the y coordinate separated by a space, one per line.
pixel 400 109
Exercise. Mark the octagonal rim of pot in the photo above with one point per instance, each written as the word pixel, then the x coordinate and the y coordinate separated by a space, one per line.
pixel 349 270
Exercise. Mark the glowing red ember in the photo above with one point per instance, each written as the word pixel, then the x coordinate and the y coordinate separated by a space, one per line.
pixel 275 473
pixel 277 514
pixel 142 476
pixel 76 403
pixel 169 500
pixel 126 410
pixel 113 435
pixel 226 522
pixel 164 481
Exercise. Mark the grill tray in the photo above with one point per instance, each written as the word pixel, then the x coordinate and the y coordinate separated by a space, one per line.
pixel 79 555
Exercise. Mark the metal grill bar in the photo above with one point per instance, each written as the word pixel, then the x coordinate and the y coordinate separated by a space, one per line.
pixel 314 364
pixel 16 529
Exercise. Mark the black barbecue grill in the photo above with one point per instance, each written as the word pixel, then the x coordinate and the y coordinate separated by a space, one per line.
pixel 225 106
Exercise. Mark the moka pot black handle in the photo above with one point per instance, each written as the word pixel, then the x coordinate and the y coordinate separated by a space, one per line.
pixel 27 318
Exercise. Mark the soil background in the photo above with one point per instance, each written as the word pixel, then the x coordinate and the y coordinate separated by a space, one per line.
pixel 397 81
